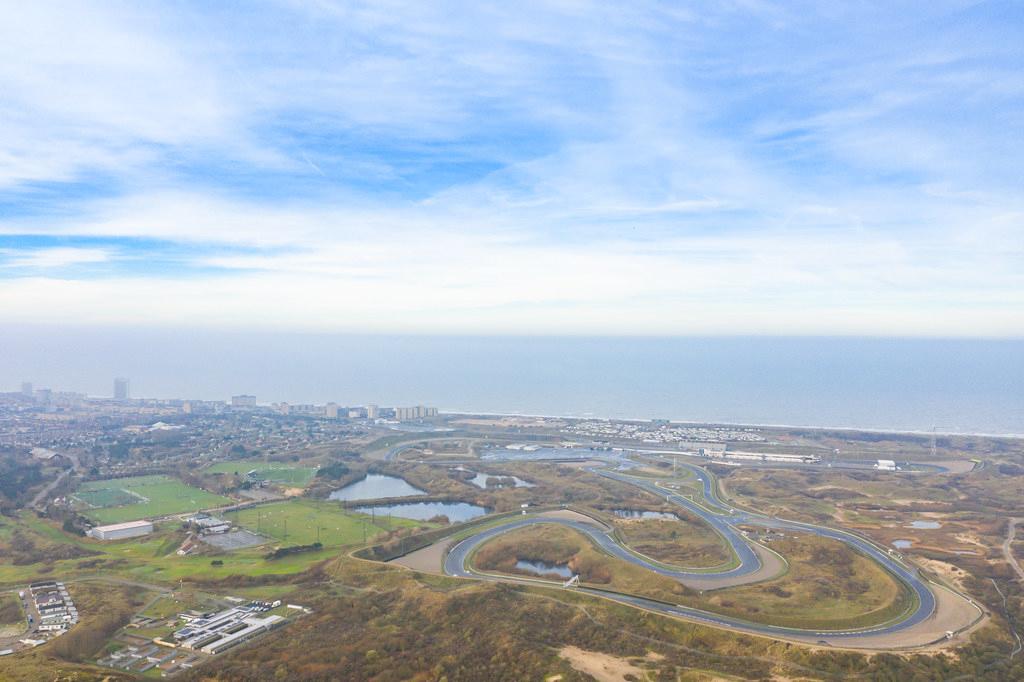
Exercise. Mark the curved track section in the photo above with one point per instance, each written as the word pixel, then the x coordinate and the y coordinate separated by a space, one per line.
pixel 723 519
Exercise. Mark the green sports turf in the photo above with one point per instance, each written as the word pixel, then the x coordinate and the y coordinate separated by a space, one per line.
pixel 140 497
pixel 295 522
pixel 271 471
pixel 109 497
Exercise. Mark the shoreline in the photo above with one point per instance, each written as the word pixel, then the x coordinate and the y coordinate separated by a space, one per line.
pixel 451 412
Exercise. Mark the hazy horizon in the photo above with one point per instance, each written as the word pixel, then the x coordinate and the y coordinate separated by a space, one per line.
pixel 872 383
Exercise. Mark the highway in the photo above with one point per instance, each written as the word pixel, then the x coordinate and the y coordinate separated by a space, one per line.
pixel 723 519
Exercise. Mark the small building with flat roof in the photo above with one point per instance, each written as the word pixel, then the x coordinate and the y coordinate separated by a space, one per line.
pixel 119 531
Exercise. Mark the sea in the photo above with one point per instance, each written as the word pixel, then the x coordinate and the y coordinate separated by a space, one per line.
pixel 950 385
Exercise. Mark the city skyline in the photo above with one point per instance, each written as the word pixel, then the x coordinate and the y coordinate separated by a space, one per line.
pixel 747 168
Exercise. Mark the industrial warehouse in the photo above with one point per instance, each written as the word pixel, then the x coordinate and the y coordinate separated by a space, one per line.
pixel 120 531
pixel 199 634
pixel 221 631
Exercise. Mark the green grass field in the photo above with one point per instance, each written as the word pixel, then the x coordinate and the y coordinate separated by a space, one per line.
pixel 140 497
pixel 271 471
pixel 12 618
pixel 295 522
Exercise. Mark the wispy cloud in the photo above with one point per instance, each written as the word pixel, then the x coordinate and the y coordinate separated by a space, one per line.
pixel 751 167
pixel 48 259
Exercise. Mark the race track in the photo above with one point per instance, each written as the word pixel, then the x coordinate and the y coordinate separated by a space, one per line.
pixel 723 518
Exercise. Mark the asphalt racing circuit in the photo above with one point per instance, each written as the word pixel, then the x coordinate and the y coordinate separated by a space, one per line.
pixel 920 626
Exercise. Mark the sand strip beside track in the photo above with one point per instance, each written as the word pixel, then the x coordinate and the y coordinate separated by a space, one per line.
pixel 430 559
pixel 772 566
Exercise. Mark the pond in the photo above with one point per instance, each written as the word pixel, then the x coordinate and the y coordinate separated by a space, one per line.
pixel 544 568
pixel 480 481
pixel 902 544
pixel 638 514
pixel 423 511
pixel 376 487
pixel 926 525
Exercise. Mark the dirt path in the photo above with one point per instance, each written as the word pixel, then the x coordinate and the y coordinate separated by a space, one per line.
pixel 1011 533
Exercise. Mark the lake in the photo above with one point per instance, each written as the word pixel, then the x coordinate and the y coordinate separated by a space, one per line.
pixel 480 481
pixel 376 487
pixel 925 525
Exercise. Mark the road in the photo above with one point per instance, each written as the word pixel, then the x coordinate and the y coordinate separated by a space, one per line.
pixel 39 501
pixel 1011 533
pixel 723 519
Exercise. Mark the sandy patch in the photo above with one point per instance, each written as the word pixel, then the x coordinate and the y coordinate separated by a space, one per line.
pixel 602 667
pixel 430 559
pixel 293 492
pixel 970 539
pixel 570 515
pixel 950 572
pixel 954 466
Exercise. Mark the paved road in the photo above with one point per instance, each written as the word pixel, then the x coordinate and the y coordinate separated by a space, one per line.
pixel 1011 533
pixel 722 518
pixel 39 502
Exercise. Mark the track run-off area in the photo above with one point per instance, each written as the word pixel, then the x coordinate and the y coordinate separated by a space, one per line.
pixel 938 614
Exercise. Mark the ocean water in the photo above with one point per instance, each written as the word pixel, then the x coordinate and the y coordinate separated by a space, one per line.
pixel 972 386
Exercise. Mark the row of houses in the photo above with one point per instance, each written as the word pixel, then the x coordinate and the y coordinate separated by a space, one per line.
pixel 56 610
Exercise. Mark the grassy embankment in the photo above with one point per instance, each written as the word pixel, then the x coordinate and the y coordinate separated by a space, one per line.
pixel 141 497
pixel 557 545
pixel 686 542
pixel 828 585
pixel 12 618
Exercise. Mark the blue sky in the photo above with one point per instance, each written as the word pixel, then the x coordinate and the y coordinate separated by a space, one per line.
pixel 745 167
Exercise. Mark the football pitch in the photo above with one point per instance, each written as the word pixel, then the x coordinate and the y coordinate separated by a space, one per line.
pixel 271 471
pixel 140 497
pixel 305 521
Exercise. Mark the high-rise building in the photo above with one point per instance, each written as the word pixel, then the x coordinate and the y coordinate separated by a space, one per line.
pixel 120 388
pixel 417 412
pixel 372 411
pixel 26 389
pixel 243 401
pixel 331 410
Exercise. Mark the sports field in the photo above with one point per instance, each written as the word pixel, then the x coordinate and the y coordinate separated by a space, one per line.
pixel 295 522
pixel 141 497
pixel 271 471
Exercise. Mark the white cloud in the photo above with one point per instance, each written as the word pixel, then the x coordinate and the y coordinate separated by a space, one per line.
pixel 662 194
pixel 59 257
